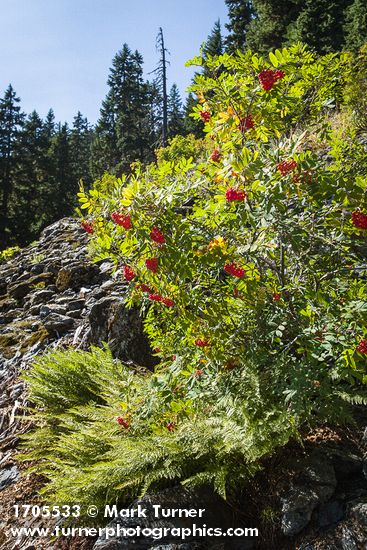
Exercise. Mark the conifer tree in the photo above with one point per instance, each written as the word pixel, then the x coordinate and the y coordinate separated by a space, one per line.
pixel 49 123
pixel 269 25
pixel 80 148
pixel 320 25
pixel 11 121
pixel 240 13
pixel 175 112
pixel 214 43
pixel 122 132
pixel 63 192
pixel 213 46
pixel 32 182
pixel 355 27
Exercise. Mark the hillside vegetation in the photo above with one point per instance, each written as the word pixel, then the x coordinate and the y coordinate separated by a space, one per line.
pixel 246 254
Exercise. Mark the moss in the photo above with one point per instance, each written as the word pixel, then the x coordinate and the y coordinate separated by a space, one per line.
pixel 63 279
pixel 7 343
pixel 41 284
pixel 41 335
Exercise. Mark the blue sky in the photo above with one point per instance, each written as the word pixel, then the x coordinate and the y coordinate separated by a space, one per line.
pixel 57 53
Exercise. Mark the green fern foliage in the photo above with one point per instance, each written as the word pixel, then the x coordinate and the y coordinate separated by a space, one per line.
pixel 87 456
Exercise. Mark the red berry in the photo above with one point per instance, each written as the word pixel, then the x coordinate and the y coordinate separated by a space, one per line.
pixel 157 236
pixel 246 123
pixel 215 156
pixel 279 74
pixel 122 219
pixel 158 298
pixel 268 77
pixel 205 116
pixel 152 264
pixel 171 426
pixel 88 227
pixel 168 302
pixel 359 220
pixel 276 297
pixel 233 194
pixel 286 166
pixel 155 297
pixel 199 373
pixel 362 347
pixel 157 350
pixel 143 287
pixel 123 422
pixel 234 270
pixel 129 273
pixel 201 343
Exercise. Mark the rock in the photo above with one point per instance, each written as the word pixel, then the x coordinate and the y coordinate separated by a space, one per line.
pixel 364 437
pixel 74 305
pixel 110 321
pixel 297 508
pixel 315 484
pixel 217 514
pixel 57 323
pixel 37 268
pixel 40 297
pixel 358 511
pixel 19 291
pixel 75 314
pixel 345 463
pixel 8 476
pixel 75 275
pixel 347 540
pixel 330 513
pixel 318 470
pixel 45 310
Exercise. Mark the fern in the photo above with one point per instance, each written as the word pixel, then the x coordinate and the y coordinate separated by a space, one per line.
pixel 87 457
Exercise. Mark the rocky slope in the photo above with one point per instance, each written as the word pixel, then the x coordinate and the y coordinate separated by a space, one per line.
pixel 52 295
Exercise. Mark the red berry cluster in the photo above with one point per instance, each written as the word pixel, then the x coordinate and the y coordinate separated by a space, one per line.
pixel 157 236
pixel 234 270
pixel 123 422
pixel 143 287
pixel 286 166
pixel 359 220
pixel 268 77
pixel 215 156
pixel 129 273
pixel 233 194
pixel 362 347
pixel 199 373
pixel 88 227
pixel 205 116
pixel 201 343
pixel 158 298
pixel 171 426
pixel 122 219
pixel 152 264
pixel 246 123
pixel 276 297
